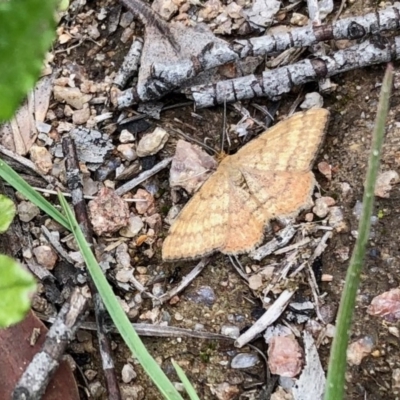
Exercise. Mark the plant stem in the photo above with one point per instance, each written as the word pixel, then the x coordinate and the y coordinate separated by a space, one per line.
pixel 337 363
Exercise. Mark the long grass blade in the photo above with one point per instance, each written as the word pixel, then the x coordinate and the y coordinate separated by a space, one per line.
pixel 116 312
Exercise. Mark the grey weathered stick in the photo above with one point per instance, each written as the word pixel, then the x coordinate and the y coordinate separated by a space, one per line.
pixel 269 317
pixel 272 84
pixel 142 177
pixel 131 63
pixel 75 185
pixel 150 330
pixel 37 375
pixel 170 76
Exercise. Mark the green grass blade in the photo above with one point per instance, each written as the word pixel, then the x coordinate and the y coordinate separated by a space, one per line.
pixel 185 381
pixel 19 184
pixel 337 363
pixel 117 314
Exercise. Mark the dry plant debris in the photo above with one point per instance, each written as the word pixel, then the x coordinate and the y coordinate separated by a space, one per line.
pixel 268 178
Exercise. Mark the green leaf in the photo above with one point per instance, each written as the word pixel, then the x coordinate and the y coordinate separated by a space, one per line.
pixel 26 31
pixel 7 212
pixel 16 288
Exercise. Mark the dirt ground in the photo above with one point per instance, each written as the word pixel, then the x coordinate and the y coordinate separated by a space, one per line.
pixel 207 363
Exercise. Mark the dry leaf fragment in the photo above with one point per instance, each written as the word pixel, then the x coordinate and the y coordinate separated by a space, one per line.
pixel 190 167
pixel 270 177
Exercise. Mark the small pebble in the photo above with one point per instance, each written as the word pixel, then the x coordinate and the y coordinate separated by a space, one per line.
pixel 126 137
pixel 135 225
pixel 27 211
pixel 152 143
pixel 42 158
pixel 298 19
pixel 231 331
pixel 45 256
pixel 128 373
pixel 245 360
pixel 202 295
pixel 312 100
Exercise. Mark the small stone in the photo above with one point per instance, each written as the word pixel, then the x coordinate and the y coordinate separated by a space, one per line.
pixel 122 256
pixel 127 151
pixel 285 357
pixel 154 222
pixel 346 189
pixel 224 391
pixel 166 8
pixel 141 270
pixel 309 217
pixel 96 390
pixel 90 187
pixel 330 331
pixel 151 315
pixel 179 317
pixel 359 349
pixel 135 225
pixel 328 312
pixel 234 10
pixel 231 331
pixel 255 282
pixel 396 379
pixel 210 10
pixel 262 12
pixel 386 305
pixel 336 219
pixel 124 275
pixel 72 96
pixel 145 203
pixel 128 373
pixel 126 19
pixel 325 169
pixel 126 136
pixel 298 19
pixel 322 205
pixel 42 158
pixel 393 330
pixel 312 100
pixel 202 295
pixel 384 183
pixel 45 256
pixel 172 214
pixel 127 35
pixel 27 211
pixel 93 32
pixel 132 392
pixel 342 253
pixel 90 374
pixel 244 360
pixel 152 143
pixel 108 212
pixel 158 289
pixel 80 117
